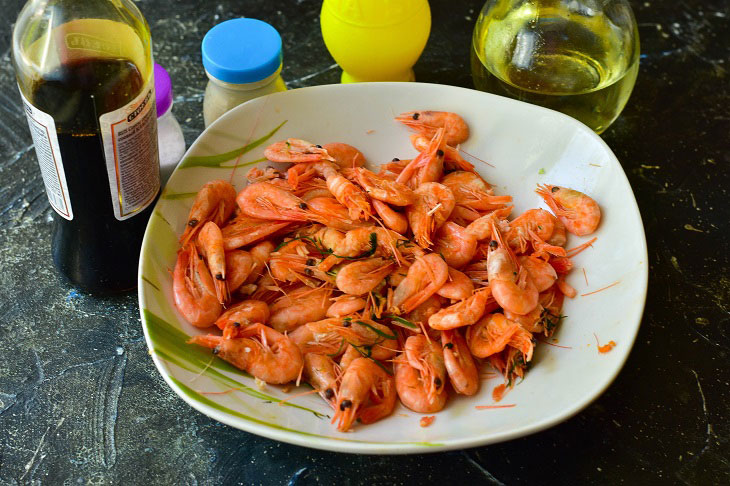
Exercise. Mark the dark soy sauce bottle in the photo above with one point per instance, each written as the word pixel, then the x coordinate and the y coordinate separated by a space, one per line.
pixel 85 74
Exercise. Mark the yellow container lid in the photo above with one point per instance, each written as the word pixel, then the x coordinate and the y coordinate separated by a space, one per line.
pixel 374 13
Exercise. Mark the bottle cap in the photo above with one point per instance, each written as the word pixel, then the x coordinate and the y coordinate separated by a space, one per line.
pixel 242 51
pixel 163 90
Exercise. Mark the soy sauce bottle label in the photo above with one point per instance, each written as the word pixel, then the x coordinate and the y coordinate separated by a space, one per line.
pixel 43 131
pixel 129 136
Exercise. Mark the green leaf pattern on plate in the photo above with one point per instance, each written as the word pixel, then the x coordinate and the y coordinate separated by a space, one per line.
pixel 217 161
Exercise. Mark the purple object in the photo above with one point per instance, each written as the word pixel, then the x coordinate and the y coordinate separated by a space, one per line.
pixel 163 90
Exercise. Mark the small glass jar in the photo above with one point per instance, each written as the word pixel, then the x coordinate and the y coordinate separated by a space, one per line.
pixel 242 58
pixel 170 138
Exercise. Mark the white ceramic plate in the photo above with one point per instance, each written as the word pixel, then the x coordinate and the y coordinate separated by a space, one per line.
pixel 527 145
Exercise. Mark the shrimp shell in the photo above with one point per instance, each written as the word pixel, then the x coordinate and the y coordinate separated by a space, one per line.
pixel 433 205
pixel 580 214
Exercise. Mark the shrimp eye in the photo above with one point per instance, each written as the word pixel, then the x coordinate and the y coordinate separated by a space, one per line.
pixel 329 393
pixel 437 382
pixel 310 262
pixel 449 345
pixel 192 222
pixel 555 189
pixel 236 324
pixel 345 404
pixel 303 205
pixel 219 276
pixel 318 146
pixel 396 159
pixel 308 271
pixel 440 153
pixel 216 350
pixel 493 244
pixel 416 115
pixel 346 324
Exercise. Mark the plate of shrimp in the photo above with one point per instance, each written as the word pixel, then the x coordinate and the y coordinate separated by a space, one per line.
pixel 393 268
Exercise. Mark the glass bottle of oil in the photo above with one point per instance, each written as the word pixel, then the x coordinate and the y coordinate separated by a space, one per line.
pixel 85 73
pixel 579 57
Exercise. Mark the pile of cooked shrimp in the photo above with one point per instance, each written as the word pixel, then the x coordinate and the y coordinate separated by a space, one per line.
pixel 374 287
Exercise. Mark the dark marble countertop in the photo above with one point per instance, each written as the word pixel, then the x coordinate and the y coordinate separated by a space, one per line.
pixel 81 401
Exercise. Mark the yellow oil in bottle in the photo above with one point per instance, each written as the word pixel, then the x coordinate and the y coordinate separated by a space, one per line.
pixel 572 61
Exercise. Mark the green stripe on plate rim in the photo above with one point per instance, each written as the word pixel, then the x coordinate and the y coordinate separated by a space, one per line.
pixel 216 161
pixel 170 344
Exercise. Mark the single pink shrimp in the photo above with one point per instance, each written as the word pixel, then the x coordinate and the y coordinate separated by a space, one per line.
pixel 305 339
pixel 431 209
pixel 260 253
pixel 298 307
pixel 265 353
pixel 359 278
pixel 494 333
pixel 368 241
pixel 427 122
pixel 384 189
pixel 425 276
pixel 463 372
pixel 284 269
pixel 350 355
pixel 512 287
pixel 473 192
pixel 345 305
pixel 538 221
pixel 457 287
pixel 345 155
pixel 490 335
pixel 372 339
pixel 431 165
pixel 215 202
pixel 367 392
pixel 423 312
pixel 296 150
pixel 193 289
pixel 455 244
pixel 542 273
pixel 329 238
pixel 264 200
pixel 322 373
pixel 391 218
pixel 559 236
pixel 420 375
pixel 450 154
pixel 430 156
pixel 542 248
pixel 333 214
pixel 239 265
pixel 481 228
pixel 464 313
pixel 532 321
pixel 211 241
pixel 579 213
pixel 244 313
pixel 347 193
pixel 463 215
pixel 244 230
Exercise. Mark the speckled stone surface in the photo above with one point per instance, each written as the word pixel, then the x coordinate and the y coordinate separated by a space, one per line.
pixel 81 401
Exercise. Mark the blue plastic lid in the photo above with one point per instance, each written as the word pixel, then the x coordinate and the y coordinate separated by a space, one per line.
pixel 242 51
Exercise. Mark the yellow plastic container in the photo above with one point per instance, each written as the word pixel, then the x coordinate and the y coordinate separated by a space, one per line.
pixel 376 40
